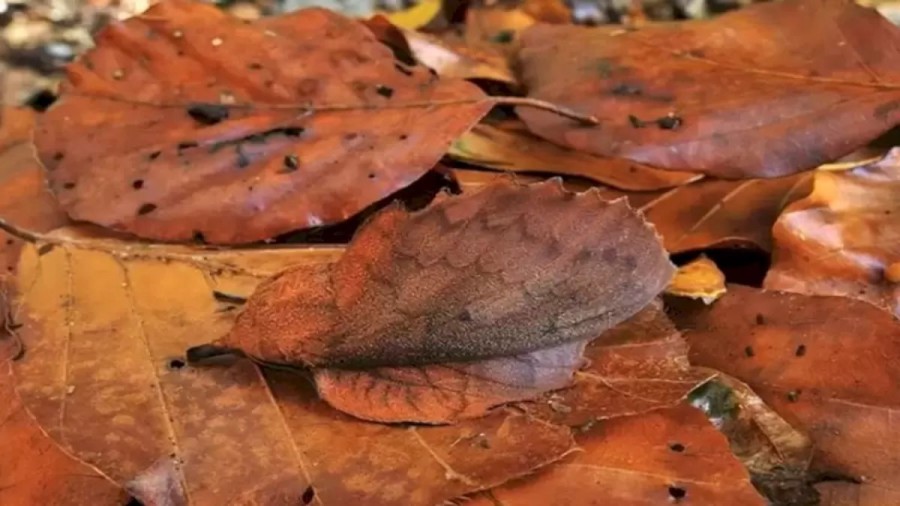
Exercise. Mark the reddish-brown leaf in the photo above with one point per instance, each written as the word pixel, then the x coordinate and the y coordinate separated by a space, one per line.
pixel 844 238
pixel 707 213
pixel 34 470
pixel 671 456
pixel 185 123
pixel 827 364
pixel 105 327
pixel 766 91
pixel 512 148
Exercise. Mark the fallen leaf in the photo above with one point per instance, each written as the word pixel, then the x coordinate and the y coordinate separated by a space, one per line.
pixel 699 279
pixel 416 16
pixel 826 364
pixel 105 327
pixel 23 200
pixel 844 238
pixel 185 123
pixel 704 214
pixel 507 271
pixel 765 91
pixel 34 470
pixel 776 454
pixel 512 148
pixel 667 456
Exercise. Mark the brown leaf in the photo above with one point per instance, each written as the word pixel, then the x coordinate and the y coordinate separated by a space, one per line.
pixel 705 214
pixel 23 200
pixel 844 238
pixel 185 123
pixel 512 148
pixel 668 456
pixel 827 364
pixel 34 470
pixel 106 324
pixel 506 271
pixel 765 91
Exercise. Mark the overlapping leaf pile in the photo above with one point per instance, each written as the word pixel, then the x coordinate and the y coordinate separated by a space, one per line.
pixel 509 344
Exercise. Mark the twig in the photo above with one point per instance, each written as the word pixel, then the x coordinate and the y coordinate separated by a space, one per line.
pixel 21 233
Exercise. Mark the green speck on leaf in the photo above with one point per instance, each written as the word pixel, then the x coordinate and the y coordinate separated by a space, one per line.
pixel 605 68
pixel 504 37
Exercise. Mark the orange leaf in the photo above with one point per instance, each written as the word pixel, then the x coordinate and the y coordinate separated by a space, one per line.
pixel 185 123
pixel 844 238
pixel 765 91
pixel 827 364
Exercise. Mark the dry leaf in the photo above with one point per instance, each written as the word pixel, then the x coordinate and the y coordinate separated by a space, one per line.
pixel 776 454
pixel 668 456
pixel 105 327
pixel 185 123
pixel 34 470
pixel 23 200
pixel 699 279
pixel 416 16
pixel 507 271
pixel 844 238
pixel 512 148
pixel 827 364
pixel 765 91
pixel 705 214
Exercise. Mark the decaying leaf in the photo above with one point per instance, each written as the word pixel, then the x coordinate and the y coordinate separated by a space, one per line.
pixel 185 123
pixel 23 199
pixel 844 238
pixel 507 271
pixel 776 454
pixel 705 214
pixel 765 91
pixel 512 148
pixel 106 324
pixel 669 456
pixel 826 364
pixel 699 279
pixel 34 470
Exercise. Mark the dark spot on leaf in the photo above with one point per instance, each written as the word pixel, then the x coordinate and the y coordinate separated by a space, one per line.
pixel 9 242
pixel 627 90
pixel 793 395
pixel 384 91
pixel 801 350
pixel 242 159
pixel 350 136
pixel 308 495
pixel 635 121
pixel 676 447
pixel 760 319
pixel 146 209
pixel 208 114
pixel 154 155
pixel 404 137
pixel 45 248
pixel 291 163
pixel 186 145
pixel 137 184
pixel 504 36
pixel 175 364
pixel 254 66
pixel 371 175
pixel 58 156
pixel 669 122
pixel 198 236
pixel 697 53
pixel 465 316
pixel 749 351
pixel 68 186
pixel 677 493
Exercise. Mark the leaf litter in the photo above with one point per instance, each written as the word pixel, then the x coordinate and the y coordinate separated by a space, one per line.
pixel 578 416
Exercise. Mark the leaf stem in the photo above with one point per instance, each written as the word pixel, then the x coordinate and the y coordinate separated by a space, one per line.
pixel 21 233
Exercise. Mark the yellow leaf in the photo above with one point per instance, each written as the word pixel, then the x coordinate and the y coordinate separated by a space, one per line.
pixel 415 17
pixel 700 279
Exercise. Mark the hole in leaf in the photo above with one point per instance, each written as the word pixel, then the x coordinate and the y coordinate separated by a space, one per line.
pixel 677 493
pixel 137 184
pixel 676 447
pixel 154 155
pixel 308 495
pixel 801 350
pixel 208 114
pixel 175 364
pixel 384 91
pixel 146 209
pixel 41 101
pixel 133 501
